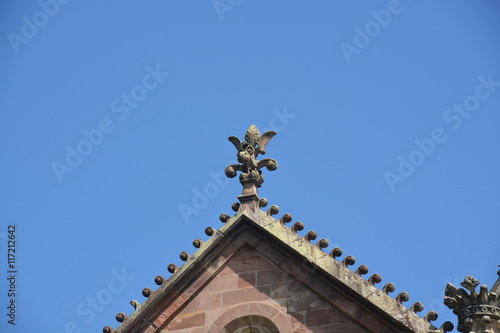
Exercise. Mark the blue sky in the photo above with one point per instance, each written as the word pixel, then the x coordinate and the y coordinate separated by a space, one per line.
pixel 114 118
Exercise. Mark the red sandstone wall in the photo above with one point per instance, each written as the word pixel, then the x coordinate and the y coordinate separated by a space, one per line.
pixel 250 284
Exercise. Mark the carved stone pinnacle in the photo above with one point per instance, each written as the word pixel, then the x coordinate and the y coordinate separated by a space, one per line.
pixel 251 175
pixel 477 312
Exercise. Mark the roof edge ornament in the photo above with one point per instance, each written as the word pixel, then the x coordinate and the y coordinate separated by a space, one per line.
pixel 477 312
pixel 251 175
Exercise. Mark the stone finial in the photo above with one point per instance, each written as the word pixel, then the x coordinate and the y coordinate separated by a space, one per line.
pixel 121 317
pixel 402 297
pixel 172 268
pixel 348 261
pixel 310 236
pixel 476 312
pixel 209 231
pixel 285 219
pixel 224 217
pixel 146 292
pixel 431 316
pixel 184 256
pixel 417 307
pixel 336 252
pixel 197 243
pixel 262 202
pixel 446 327
pixel 251 175
pixel 323 243
pixel 159 280
pixel 135 304
pixel 297 226
pixel 273 210
pixel 389 288
pixel 362 270
pixel 375 278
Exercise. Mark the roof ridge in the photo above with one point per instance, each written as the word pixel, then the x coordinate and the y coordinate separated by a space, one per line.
pixel 327 262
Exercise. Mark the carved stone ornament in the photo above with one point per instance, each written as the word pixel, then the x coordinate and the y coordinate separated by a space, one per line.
pixel 251 175
pixel 476 312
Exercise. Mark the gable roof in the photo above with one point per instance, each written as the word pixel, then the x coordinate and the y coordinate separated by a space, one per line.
pixel 249 227
pixel 285 239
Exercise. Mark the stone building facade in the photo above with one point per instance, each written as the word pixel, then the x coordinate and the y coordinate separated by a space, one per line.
pixel 256 274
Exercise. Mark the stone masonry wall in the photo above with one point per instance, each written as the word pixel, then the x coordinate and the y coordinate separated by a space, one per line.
pixel 250 284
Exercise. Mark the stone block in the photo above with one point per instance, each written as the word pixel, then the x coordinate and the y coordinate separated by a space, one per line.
pixel 270 276
pixel 306 303
pixel 245 295
pixel 186 320
pixel 324 317
pixel 204 302
pixel 249 264
pixel 288 289
pixel 246 280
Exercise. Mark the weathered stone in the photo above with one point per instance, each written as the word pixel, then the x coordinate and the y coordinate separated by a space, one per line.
pixel 476 313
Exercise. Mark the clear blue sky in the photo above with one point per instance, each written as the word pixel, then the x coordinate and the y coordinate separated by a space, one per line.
pixel 114 116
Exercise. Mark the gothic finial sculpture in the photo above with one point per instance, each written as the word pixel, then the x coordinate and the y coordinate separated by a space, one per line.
pixel 476 312
pixel 251 175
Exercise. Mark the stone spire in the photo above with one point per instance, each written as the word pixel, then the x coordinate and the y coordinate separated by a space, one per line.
pixel 477 313
pixel 251 175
